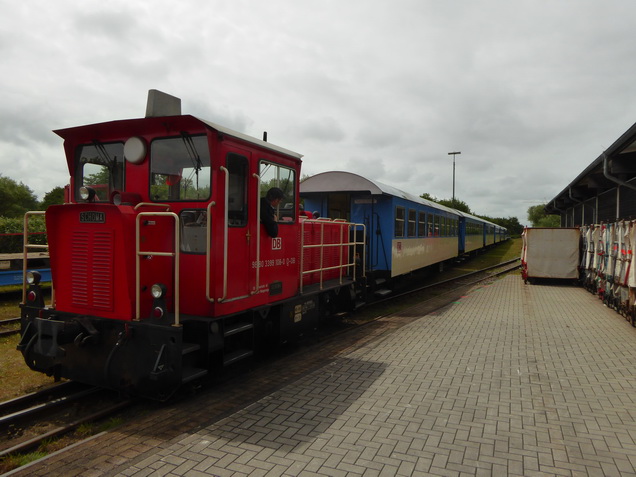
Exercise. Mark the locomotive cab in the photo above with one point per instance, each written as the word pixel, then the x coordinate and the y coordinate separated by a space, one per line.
pixel 161 267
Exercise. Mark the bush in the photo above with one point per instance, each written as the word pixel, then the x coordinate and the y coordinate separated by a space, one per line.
pixel 13 243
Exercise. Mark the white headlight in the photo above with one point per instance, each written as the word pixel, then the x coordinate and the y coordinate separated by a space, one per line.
pixel 158 290
pixel 33 278
pixel 87 193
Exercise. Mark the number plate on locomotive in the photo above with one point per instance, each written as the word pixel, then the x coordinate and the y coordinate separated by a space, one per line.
pixel 92 217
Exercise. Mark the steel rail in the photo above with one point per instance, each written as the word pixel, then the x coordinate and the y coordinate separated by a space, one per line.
pixel 449 280
pixel 5 333
pixel 36 441
pixel 43 394
pixel 9 321
pixel 8 419
pixel 432 285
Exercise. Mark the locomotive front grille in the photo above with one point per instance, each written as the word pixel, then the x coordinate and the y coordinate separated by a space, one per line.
pixel 92 269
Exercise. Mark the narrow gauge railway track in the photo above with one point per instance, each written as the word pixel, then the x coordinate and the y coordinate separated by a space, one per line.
pixel 436 293
pixel 9 322
pixel 27 421
pixel 477 276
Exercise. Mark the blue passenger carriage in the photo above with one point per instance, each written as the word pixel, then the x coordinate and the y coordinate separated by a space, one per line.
pixel 404 232
pixel 472 233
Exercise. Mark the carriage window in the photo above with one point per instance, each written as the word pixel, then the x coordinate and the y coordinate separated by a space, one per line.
pixel 399 221
pixel 412 222
pixel 193 230
pixel 274 175
pixel 237 194
pixel 180 168
pixel 421 226
pixel 437 230
pixel 100 166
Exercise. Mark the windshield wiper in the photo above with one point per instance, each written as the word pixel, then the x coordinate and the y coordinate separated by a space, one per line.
pixel 194 155
pixel 103 154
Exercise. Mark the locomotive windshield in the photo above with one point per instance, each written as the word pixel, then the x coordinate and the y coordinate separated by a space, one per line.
pixel 101 166
pixel 180 168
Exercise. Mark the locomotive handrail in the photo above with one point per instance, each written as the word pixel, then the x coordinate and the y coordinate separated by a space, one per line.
pixel 225 230
pixel 340 257
pixel 258 233
pixel 174 254
pixel 350 226
pixel 208 251
pixel 151 204
pixel 25 250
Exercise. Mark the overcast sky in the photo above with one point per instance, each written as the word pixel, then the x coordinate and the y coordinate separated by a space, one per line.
pixel 530 91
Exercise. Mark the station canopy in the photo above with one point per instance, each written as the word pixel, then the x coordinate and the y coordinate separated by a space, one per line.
pixel 616 166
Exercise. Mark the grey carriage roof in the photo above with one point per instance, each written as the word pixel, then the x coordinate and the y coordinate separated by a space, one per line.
pixel 337 181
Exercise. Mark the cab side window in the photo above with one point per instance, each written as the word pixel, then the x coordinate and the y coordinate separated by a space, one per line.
pixel 237 166
pixel 193 230
pixel 275 175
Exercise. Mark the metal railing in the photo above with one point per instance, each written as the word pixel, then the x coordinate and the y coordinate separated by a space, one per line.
pixel 347 231
pixel 26 246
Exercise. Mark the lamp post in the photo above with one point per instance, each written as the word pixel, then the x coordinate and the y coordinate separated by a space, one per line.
pixel 454 154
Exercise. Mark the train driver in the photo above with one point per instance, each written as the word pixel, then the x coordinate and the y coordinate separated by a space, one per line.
pixel 269 203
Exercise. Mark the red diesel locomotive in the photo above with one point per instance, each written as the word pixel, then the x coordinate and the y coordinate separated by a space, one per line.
pixel 161 268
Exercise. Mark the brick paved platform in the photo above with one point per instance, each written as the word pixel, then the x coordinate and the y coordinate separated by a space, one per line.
pixel 512 379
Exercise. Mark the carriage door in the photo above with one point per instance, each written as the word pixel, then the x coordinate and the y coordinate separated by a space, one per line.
pixel 241 232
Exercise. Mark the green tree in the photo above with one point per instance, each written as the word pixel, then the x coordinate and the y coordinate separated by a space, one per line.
pixel 538 218
pixel 453 204
pixel 428 196
pixel 53 197
pixel 511 223
pixel 15 199
pixel 97 178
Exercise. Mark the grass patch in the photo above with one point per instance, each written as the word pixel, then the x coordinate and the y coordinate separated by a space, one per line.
pixel 49 446
pixel 89 428
pixel 16 377
pixel 10 306
pixel 11 462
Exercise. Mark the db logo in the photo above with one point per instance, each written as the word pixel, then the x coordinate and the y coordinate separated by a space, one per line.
pixel 277 243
